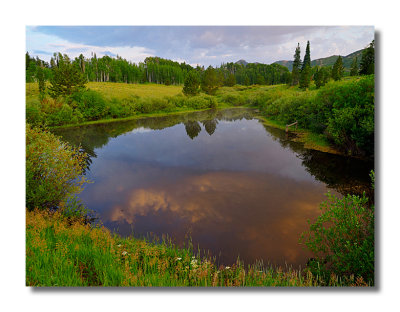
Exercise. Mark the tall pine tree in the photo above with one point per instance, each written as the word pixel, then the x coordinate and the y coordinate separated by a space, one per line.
pixel 305 75
pixel 354 67
pixel 307 57
pixel 368 60
pixel 296 66
pixel 337 70
pixel 318 77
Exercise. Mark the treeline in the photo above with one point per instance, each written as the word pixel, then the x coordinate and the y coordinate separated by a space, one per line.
pixel 156 70
pixel 303 73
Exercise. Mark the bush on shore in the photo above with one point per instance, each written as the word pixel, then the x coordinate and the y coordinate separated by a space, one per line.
pixel 53 169
pixel 342 238
pixel 342 111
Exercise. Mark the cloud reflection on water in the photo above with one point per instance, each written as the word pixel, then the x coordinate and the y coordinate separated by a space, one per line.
pixel 262 215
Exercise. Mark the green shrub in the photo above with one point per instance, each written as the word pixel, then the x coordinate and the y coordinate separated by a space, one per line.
pixel 53 169
pixel 291 108
pixel 151 105
pixel 233 99
pixel 91 104
pixel 34 114
pixel 351 122
pixel 343 111
pixel 199 102
pixel 65 115
pixel 342 238
pixel 121 108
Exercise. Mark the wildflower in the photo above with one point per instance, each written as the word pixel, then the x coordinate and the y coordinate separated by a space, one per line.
pixel 227 268
pixel 119 245
pixel 177 259
pixel 124 253
pixel 194 263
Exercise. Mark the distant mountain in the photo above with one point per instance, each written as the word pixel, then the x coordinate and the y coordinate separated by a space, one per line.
pixel 242 62
pixel 329 61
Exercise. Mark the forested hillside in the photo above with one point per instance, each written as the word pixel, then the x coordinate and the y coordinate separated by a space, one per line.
pixel 329 61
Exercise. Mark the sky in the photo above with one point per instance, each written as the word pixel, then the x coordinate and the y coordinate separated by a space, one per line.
pixel 202 45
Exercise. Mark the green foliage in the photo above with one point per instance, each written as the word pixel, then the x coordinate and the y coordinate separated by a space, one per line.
pixel 342 238
pixel 65 115
pixel 291 108
pixel 65 251
pixel 210 81
pixel 41 79
pixel 318 78
pixel 367 65
pixel 342 111
pixel 90 104
pixel 53 169
pixel 296 66
pixel 305 77
pixel 337 69
pixel 192 84
pixel 230 81
pixel 67 78
pixel 150 105
pixel 350 115
pixel 354 67
pixel 34 114
pixel 307 57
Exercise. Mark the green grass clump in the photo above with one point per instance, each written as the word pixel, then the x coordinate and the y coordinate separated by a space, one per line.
pixel 61 251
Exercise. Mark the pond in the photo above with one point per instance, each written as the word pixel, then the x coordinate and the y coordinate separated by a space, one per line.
pixel 235 187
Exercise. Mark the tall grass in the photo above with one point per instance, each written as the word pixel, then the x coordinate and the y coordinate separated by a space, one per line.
pixel 61 251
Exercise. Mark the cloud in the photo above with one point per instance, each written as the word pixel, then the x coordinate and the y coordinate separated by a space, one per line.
pixel 42 52
pixel 205 44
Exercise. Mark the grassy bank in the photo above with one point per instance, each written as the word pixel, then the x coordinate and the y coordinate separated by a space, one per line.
pixel 337 118
pixel 311 140
pixel 61 251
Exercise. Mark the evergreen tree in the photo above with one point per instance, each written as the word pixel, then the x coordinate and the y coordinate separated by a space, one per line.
pixel 66 78
pixel 307 57
pixel 305 75
pixel 296 66
pixel 354 67
pixel 230 81
pixel 41 79
pixel 192 83
pixel 326 74
pixel 318 77
pixel 337 70
pixel 367 65
pixel 260 80
pixel 246 81
pixel 210 81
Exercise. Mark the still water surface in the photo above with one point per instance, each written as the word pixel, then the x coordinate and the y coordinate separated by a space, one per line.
pixel 236 187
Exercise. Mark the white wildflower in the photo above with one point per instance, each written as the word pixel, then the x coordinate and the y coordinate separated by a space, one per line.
pixel 119 245
pixel 227 268
pixel 177 259
pixel 124 253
